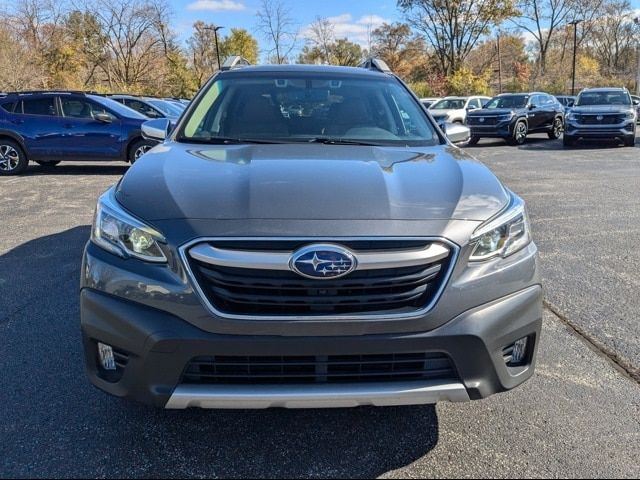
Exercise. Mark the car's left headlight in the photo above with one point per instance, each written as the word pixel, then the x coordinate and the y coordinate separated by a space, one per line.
pixel 630 115
pixel 504 235
pixel 120 233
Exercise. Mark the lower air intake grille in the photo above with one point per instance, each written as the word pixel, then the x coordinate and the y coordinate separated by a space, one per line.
pixel 318 369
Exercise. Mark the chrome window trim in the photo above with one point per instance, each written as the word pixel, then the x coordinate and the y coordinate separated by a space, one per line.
pixel 183 252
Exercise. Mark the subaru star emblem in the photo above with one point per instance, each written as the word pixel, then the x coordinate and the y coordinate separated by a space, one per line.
pixel 323 262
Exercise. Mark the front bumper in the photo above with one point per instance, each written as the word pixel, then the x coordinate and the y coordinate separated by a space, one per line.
pixel 503 129
pixel 621 131
pixel 155 347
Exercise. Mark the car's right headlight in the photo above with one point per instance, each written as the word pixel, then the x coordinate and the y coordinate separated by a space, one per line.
pixel 120 233
pixel 571 116
pixel 504 235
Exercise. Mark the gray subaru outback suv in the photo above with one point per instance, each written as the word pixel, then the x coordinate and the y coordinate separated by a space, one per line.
pixel 306 236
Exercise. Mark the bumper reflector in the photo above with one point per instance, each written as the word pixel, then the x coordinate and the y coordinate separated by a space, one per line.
pixel 105 353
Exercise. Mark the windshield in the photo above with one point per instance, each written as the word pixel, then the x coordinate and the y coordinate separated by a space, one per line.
pixel 165 107
pixel 603 98
pixel 117 107
pixel 510 101
pixel 285 108
pixel 449 104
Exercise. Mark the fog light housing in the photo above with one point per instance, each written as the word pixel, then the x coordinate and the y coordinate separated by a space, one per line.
pixel 516 354
pixel 105 354
pixel 519 351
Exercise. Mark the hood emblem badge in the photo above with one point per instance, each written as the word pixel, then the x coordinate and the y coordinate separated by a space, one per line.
pixel 599 118
pixel 481 119
pixel 323 262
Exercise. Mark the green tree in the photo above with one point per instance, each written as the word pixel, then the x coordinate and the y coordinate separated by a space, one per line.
pixel 240 42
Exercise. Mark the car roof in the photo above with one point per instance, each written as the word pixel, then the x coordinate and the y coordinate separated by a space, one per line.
pixel 305 69
pixel 605 89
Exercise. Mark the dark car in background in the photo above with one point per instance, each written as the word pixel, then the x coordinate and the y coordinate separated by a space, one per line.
pixel 150 107
pixel 512 116
pixel 602 114
pixel 344 255
pixel 50 127
pixel 567 101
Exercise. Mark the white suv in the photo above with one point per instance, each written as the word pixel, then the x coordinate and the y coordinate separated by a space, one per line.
pixel 454 109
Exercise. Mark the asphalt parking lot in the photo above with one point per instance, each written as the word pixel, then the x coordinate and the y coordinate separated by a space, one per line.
pixel 579 416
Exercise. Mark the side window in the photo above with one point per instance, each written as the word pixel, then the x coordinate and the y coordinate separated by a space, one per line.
pixel 475 103
pixel 39 106
pixel 8 106
pixel 78 108
pixel 535 100
pixel 143 108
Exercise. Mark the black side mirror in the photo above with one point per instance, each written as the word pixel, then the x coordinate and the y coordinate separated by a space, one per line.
pixel 532 107
pixel 103 117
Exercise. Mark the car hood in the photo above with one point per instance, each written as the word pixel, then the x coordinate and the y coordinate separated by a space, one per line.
pixel 310 182
pixel 490 112
pixel 602 109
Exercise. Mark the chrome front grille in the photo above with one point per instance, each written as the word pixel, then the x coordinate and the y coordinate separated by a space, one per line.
pixel 600 119
pixel 402 278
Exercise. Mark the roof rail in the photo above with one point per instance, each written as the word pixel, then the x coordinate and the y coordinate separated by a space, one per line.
pixel 235 62
pixel 375 64
pixel 53 92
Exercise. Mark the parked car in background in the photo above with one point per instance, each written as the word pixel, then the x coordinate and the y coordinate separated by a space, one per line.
pixel 602 113
pixel 348 256
pixel 176 103
pixel 149 107
pixel 635 99
pixel 454 109
pixel 50 127
pixel 513 116
pixel 427 102
pixel 567 101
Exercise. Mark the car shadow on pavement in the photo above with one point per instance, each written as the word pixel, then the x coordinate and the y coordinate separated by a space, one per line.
pixel 89 168
pixel 54 423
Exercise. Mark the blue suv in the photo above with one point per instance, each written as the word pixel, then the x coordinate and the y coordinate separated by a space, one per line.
pixel 49 127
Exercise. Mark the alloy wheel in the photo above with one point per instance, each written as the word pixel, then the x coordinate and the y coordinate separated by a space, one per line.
pixel 140 151
pixel 521 133
pixel 9 158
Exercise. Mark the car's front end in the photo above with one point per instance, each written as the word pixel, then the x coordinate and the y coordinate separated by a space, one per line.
pixel 492 123
pixel 601 114
pixel 601 123
pixel 253 274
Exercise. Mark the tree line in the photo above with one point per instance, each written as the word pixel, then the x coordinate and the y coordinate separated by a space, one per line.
pixel 439 47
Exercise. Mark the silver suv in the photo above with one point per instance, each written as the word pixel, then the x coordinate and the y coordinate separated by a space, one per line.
pixel 601 113
pixel 343 254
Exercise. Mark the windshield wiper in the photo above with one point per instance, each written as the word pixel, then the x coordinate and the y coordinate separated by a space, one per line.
pixel 228 140
pixel 338 141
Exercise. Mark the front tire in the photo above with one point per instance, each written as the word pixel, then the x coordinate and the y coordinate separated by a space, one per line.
pixel 519 136
pixel 473 140
pixel 556 129
pixel 13 160
pixel 138 149
pixel 630 142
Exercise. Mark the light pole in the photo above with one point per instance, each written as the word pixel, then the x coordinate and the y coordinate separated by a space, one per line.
pixel 575 47
pixel 637 22
pixel 215 36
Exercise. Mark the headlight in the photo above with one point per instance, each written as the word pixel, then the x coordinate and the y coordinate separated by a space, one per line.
pixel 630 115
pixel 504 235
pixel 122 234
pixel 506 116
pixel 571 116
